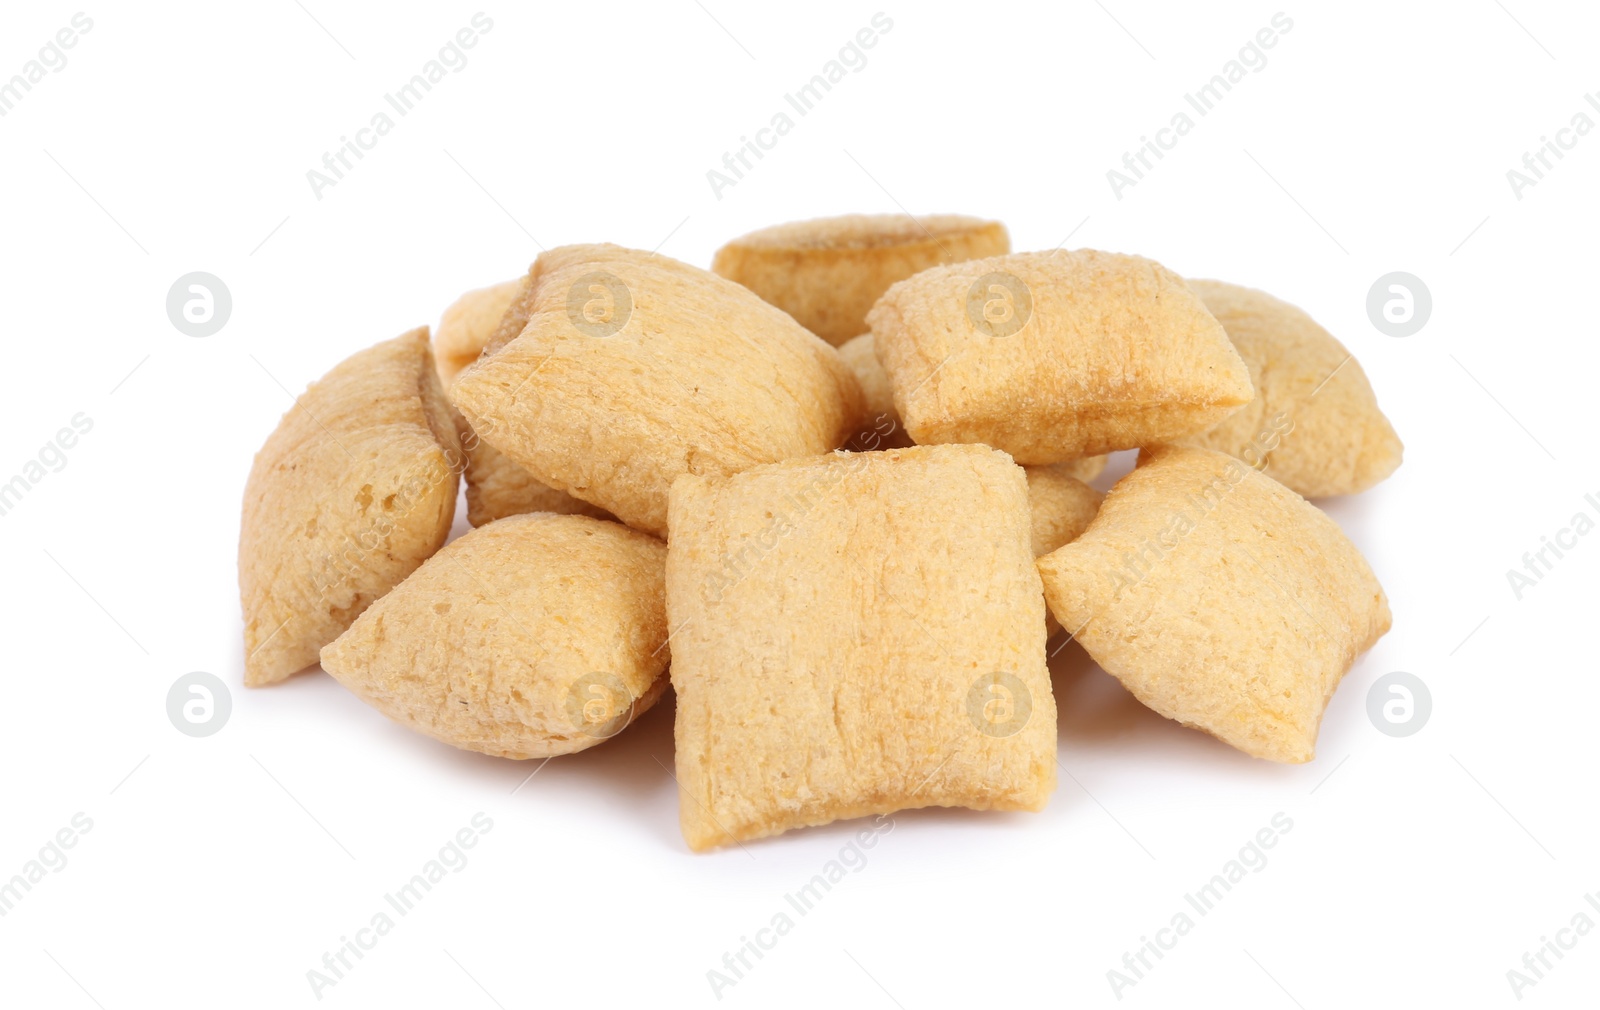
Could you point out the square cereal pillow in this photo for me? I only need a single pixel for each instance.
(1051, 356)
(1220, 598)
(856, 634)
(633, 369)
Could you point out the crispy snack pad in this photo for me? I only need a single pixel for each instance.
(467, 324)
(1055, 355)
(1314, 424)
(536, 635)
(634, 369)
(355, 488)
(827, 273)
(854, 634)
(1220, 598)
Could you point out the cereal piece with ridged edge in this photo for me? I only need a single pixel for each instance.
(1060, 507)
(467, 325)
(634, 369)
(355, 488)
(496, 485)
(535, 635)
(855, 634)
(1315, 421)
(883, 428)
(1220, 599)
(1055, 355)
(827, 272)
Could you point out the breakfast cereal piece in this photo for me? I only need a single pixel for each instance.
(1220, 598)
(855, 634)
(827, 272)
(498, 487)
(884, 424)
(355, 488)
(1314, 424)
(1055, 355)
(633, 369)
(467, 324)
(536, 635)
(1062, 507)
(875, 393)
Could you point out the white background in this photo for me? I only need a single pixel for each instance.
(219, 870)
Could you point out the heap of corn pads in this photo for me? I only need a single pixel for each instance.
(836, 488)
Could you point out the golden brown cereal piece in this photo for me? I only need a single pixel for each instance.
(1055, 355)
(1061, 506)
(856, 633)
(467, 324)
(826, 273)
(355, 488)
(1220, 598)
(497, 487)
(536, 635)
(885, 423)
(1314, 422)
(875, 393)
(633, 369)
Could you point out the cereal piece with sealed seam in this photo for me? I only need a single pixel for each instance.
(351, 492)
(1314, 424)
(533, 636)
(828, 272)
(633, 369)
(856, 633)
(496, 485)
(1220, 599)
(1055, 355)
(885, 423)
(467, 324)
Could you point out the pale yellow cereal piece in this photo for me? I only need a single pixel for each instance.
(875, 393)
(855, 634)
(633, 369)
(355, 488)
(1219, 598)
(1061, 507)
(1055, 355)
(827, 272)
(1314, 422)
(467, 324)
(886, 431)
(536, 635)
(498, 487)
